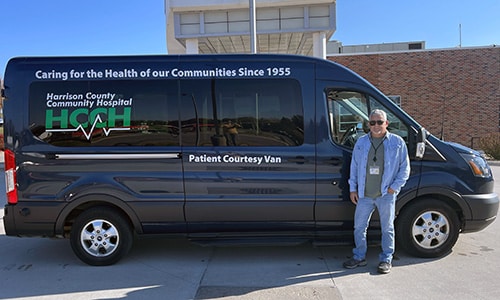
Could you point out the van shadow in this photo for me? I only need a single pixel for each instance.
(258, 271)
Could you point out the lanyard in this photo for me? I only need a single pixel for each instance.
(376, 148)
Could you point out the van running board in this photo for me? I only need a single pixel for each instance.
(245, 241)
(344, 240)
(273, 241)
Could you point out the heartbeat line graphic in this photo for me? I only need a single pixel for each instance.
(88, 135)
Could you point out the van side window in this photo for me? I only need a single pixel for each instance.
(348, 115)
(201, 112)
(105, 113)
(234, 112)
(349, 112)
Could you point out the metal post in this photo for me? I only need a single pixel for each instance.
(253, 34)
(460, 35)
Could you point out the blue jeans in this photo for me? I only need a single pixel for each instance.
(364, 210)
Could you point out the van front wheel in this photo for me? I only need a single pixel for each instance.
(428, 228)
(101, 236)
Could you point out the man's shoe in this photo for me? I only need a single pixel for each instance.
(354, 263)
(384, 267)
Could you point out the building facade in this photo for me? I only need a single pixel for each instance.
(454, 93)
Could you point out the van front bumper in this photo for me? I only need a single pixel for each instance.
(484, 210)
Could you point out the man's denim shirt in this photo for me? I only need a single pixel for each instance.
(396, 164)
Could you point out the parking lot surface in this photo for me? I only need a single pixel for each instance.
(160, 268)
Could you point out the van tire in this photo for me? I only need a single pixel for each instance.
(428, 228)
(101, 236)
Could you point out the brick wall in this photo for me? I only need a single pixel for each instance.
(453, 92)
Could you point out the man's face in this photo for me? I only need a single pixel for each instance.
(378, 126)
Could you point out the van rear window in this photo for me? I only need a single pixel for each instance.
(105, 113)
(207, 112)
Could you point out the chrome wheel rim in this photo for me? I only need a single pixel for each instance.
(99, 238)
(431, 229)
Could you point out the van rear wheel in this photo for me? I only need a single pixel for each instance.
(428, 228)
(101, 236)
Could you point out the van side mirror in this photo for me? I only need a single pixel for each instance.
(421, 138)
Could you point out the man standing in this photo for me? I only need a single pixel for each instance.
(379, 168)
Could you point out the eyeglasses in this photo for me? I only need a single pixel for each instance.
(378, 122)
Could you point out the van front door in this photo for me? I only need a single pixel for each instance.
(345, 114)
(340, 114)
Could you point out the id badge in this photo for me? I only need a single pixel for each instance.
(374, 170)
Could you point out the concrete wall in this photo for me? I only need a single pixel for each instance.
(455, 92)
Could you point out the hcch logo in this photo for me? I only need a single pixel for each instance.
(69, 121)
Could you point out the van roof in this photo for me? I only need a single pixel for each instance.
(324, 69)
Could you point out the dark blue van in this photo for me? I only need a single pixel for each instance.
(217, 148)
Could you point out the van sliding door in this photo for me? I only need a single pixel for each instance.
(247, 164)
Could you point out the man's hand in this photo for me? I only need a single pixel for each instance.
(354, 197)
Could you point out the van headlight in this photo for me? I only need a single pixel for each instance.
(478, 165)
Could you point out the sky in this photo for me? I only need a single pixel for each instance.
(117, 27)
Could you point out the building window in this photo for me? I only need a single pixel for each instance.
(415, 46)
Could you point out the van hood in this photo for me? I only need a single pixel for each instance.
(463, 149)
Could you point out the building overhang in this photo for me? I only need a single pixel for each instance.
(224, 26)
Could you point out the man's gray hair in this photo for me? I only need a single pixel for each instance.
(379, 112)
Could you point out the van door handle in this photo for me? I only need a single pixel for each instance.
(233, 179)
(334, 161)
(298, 160)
